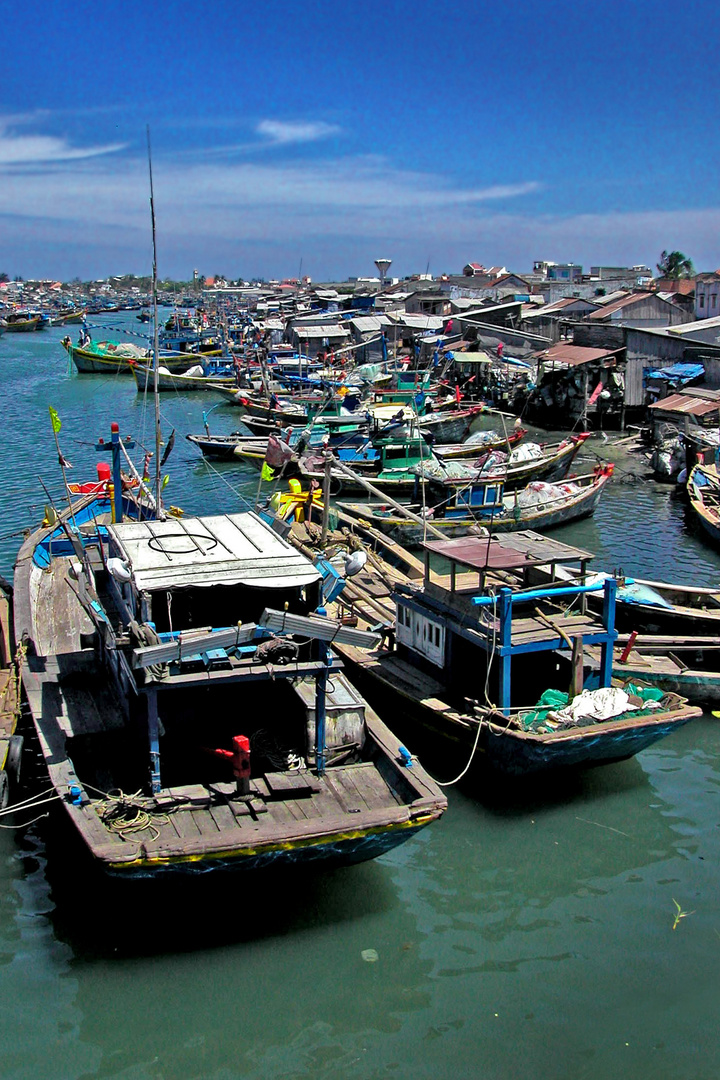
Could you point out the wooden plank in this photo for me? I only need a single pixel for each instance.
(184, 825)
(290, 784)
(223, 817)
(352, 794)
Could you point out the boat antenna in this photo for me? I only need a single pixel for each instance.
(156, 393)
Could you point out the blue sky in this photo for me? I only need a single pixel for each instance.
(334, 133)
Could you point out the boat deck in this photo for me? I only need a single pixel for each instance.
(206, 821)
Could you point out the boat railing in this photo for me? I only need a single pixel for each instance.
(502, 644)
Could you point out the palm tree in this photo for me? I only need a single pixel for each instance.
(674, 265)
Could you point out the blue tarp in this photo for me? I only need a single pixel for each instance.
(679, 373)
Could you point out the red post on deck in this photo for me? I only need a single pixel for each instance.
(239, 756)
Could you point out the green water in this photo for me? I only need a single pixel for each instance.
(527, 934)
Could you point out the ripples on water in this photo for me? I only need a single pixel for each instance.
(528, 934)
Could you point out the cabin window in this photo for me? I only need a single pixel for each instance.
(490, 495)
(422, 634)
(702, 300)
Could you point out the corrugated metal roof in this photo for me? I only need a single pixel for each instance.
(227, 549)
(366, 324)
(611, 297)
(479, 554)
(573, 355)
(691, 328)
(417, 321)
(686, 404)
(623, 302)
(328, 331)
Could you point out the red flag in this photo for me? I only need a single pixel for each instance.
(596, 393)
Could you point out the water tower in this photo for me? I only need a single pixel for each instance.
(383, 266)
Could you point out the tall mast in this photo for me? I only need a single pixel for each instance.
(156, 393)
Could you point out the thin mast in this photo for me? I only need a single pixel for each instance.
(156, 392)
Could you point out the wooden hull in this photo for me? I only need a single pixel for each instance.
(178, 381)
(218, 447)
(356, 810)
(90, 362)
(520, 754)
(411, 533)
(510, 752)
(473, 450)
(447, 428)
(704, 500)
(24, 326)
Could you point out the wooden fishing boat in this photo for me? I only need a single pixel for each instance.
(703, 489)
(202, 376)
(664, 670)
(399, 462)
(259, 426)
(142, 637)
(11, 744)
(487, 507)
(22, 323)
(461, 645)
(530, 461)
(291, 410)
(450, 426)
(662, 607)
(114, 357)
(481, 442)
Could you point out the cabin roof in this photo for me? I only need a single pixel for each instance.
(688, 403)
(227, 549)
(479, 554)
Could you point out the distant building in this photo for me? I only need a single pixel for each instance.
(552, 271)
(707, 293)
(641, 309)
(474, 270)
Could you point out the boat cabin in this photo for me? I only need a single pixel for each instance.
(480, 607)
(186, 621)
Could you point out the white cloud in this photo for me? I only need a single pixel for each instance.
(287, 132)
(33, 150)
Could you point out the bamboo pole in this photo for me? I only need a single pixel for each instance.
(345, 470)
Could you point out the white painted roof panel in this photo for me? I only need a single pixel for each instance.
(226, 549)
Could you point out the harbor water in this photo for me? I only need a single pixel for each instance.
(558, 930)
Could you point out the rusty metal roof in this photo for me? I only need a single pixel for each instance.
(574, 355)
(478, 553)
(686, 404)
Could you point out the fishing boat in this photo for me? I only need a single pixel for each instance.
(293, 410)
(479, 507)
(467, 648)
(206, 375)
(665, 670)
(116, 357)
(479, 443)
(11, 659)
(354, 422)
(661, 607)
(451, 426)
(529, 461)
(23, 322)
(703, 490)
(190, 711)
(398, 461)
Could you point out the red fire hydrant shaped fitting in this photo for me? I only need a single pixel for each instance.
(239, 756)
